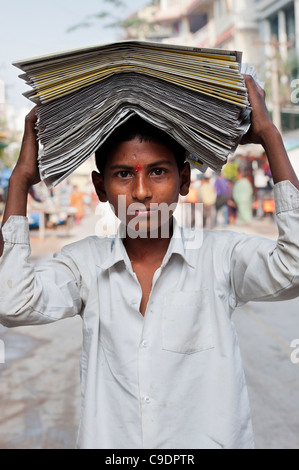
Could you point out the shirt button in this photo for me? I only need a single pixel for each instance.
(147, 399)
(134, 302)
(144, 344)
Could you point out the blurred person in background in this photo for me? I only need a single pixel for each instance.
(192, 199)
(221, 188)
(243, 197)
(261, 181)
(232, 206)
(207, 196)
(77, 201)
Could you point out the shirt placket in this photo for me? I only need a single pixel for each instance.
(146, 350)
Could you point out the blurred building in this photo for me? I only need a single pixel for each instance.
(278, 22)
(247, 25)
(267, 31)
(228, 24)
(279, 19)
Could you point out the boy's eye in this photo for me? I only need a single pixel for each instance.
(123, 174)
(158, 172)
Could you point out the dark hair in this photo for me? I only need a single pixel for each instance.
(146, 132)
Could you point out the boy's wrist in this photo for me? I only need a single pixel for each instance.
(269, 132)
(18, 181)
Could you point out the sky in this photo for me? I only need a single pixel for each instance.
(30, 28)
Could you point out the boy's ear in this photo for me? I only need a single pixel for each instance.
(185, 179)
(98, 183)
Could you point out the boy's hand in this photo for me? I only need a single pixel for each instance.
(26, 169)
(261, 123)
(263, 131)
(24, 175)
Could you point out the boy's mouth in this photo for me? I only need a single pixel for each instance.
(144, 212)
(141, 211)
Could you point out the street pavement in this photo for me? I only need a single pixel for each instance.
(39, 381)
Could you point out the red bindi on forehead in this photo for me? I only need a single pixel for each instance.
(138, 168)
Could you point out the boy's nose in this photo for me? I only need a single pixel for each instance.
(141, 190)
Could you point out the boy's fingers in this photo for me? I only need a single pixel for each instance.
(259, 115)
(27, 164)
(30, 132)
(32, 115)
(253, 86)
(30, 120)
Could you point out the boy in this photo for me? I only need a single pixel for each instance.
(160, 366)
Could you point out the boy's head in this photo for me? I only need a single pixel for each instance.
(144, 166)
(136, 127)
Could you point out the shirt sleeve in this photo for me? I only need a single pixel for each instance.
(35, 294)
(263, 270)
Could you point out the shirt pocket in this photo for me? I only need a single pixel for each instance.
(186, 322)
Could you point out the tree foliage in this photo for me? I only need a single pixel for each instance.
(115, 20)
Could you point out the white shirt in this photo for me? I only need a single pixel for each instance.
(174, 378)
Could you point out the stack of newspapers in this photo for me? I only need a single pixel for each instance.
(198, 96)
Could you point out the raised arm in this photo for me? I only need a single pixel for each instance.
(29, 294)
(263, 131)
(262, 269)
(25, 174)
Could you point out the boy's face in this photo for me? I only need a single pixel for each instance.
(145, 175)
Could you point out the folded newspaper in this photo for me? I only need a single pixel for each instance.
(198, 96)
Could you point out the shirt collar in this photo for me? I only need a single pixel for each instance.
(178, 245)
(119, 254)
